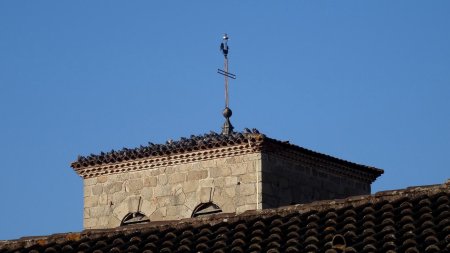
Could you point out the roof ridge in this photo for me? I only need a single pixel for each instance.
(202, 142)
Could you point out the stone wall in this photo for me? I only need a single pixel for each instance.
(173, 192)
(289, 181)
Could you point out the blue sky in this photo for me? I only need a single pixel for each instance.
(365, 81)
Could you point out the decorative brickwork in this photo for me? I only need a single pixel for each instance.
(197, 148)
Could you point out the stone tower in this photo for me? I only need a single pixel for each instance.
(208, 174)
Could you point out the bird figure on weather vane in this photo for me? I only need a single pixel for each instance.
(227, 127)
(224, 45)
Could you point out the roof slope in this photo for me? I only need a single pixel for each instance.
(203, 142)
(411, 220)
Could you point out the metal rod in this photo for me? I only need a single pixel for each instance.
(230, 75)
(226, 82)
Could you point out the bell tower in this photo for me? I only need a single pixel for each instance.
(209, 174)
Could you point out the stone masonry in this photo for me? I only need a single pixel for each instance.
(238, 172)
(287, 182)
(173, 192)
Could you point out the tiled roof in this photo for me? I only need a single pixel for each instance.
(203, 142)
(411, 220)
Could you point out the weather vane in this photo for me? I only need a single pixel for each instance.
(227, 127)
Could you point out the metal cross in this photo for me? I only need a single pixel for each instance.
(224, 48)
(227, 126)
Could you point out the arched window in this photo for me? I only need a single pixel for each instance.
(134, 218)
(206, 209)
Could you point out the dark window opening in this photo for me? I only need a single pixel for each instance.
(134, 218)
(205, 209)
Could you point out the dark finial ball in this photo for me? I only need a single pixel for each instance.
(227, 112)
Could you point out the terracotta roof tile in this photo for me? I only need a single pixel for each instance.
(411, 220)
(204, 142)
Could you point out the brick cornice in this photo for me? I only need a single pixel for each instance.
(169, 160)
(213, 146)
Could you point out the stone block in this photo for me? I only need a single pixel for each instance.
(207, 182)
(163, 201)
(219, 182)
(192, 200)
(162, 179)
(90, 223)
(114, 177)
(243, 208)
(259, 198)
(97, 189)
(220, 199)
(217, 191)
(178, 199)
(99, 211)
(120, 177)
(205, 194)
(103, 199)
(121, 210)
(284, 183)
(150, 181)
(87, 191)
(169, 170)
(113, 222)
(230, 160)
(220, 162)
(197, 175)
(103, 221)
(229, 181)
(159, 214)
(102, 179)
(258, 206)
(89, 181)
(147, 192)
(240, 201)
(178, 168)
(162, 170)
(239, 159)
(230, 191)
(177, 189)
(190, 186)
(91, 201)
(164, 190)
(147, 207)
(246, 189)
(133, 203)
(251, 199)
(134, 185)
(228, 207)
(145, 173)
(266, 158)
(113, 187)
(154, 172)
(118, 197)
(239, 169)
(177, 211)
(197, 165)
(286, 198)
(177, 178)
(219, 172)
(208, 163)
(247, 178)
(86, 213)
